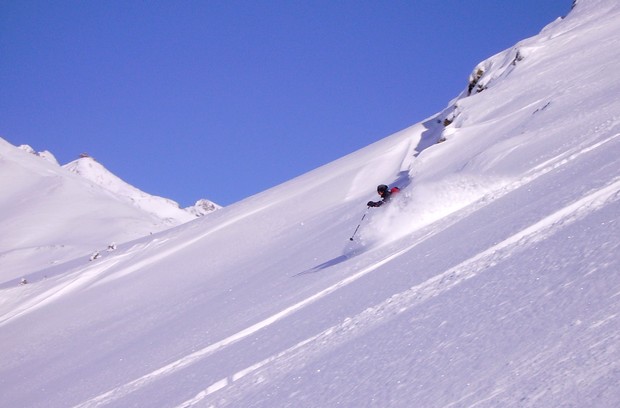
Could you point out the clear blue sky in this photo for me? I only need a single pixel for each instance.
(224, 99)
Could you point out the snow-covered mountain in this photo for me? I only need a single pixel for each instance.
(491, 280)
(164, 208)
(51, 214)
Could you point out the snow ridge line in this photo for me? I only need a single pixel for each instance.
(334, 336)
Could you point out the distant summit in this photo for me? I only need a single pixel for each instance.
(89, 168)
(166, 209)
(202, 207)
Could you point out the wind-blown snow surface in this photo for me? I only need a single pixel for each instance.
(490, 281)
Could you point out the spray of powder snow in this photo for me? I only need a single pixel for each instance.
(422, 204)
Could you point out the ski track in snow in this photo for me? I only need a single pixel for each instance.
(209, 350)
(79, 278)
(392, 306)
(58, 291)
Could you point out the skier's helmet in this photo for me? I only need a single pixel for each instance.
(381, 189)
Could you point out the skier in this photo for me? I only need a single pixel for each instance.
(386, 193)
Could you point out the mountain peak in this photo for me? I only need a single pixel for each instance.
(89, 168)
(203, 207)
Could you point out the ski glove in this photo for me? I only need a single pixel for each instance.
(374, 204)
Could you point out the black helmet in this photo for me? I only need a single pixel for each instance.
(382, 188)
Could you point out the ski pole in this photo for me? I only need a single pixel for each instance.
(358, 225)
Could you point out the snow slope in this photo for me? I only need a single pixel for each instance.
(491, 280)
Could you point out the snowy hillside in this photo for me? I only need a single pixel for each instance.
(50, 215)
(491, 280)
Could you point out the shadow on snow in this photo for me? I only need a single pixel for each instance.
(335, 261)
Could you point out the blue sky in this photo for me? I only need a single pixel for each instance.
(224, 99)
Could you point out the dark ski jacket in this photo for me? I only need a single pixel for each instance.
(385, 197)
